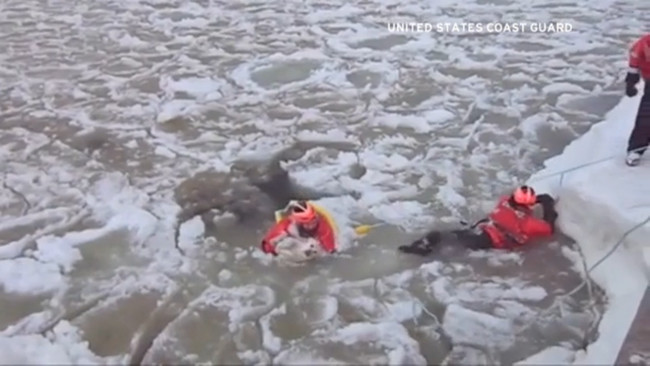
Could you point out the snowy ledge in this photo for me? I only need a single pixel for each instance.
(597, 205)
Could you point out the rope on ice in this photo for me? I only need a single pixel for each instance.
(587, 280)
(560, 300)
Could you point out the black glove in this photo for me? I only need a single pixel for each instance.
(419, 247)
(423, 246)
(545, 199)
(268, 249)
(631, 79)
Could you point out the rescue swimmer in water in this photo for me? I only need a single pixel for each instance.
(510, 225)
(302, 220)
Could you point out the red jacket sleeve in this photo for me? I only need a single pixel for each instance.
(326, 236)
(637, 53)
(274, 232)
(536, 228)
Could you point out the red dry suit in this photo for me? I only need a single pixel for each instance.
(639, 60)
(510, 227)
(323, 232)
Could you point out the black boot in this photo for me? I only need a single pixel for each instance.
(423, 246)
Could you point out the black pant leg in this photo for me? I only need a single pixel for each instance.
(646, 94)
(470, 238)
(474, 240)
(640, 136)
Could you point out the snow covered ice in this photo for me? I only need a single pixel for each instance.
(117, 117)
(598, 205)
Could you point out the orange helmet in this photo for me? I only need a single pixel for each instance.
(302, 212)
(524, 196)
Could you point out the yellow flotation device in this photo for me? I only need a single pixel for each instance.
(281, 214)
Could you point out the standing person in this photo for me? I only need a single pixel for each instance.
(639, 63)
(510, 225)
